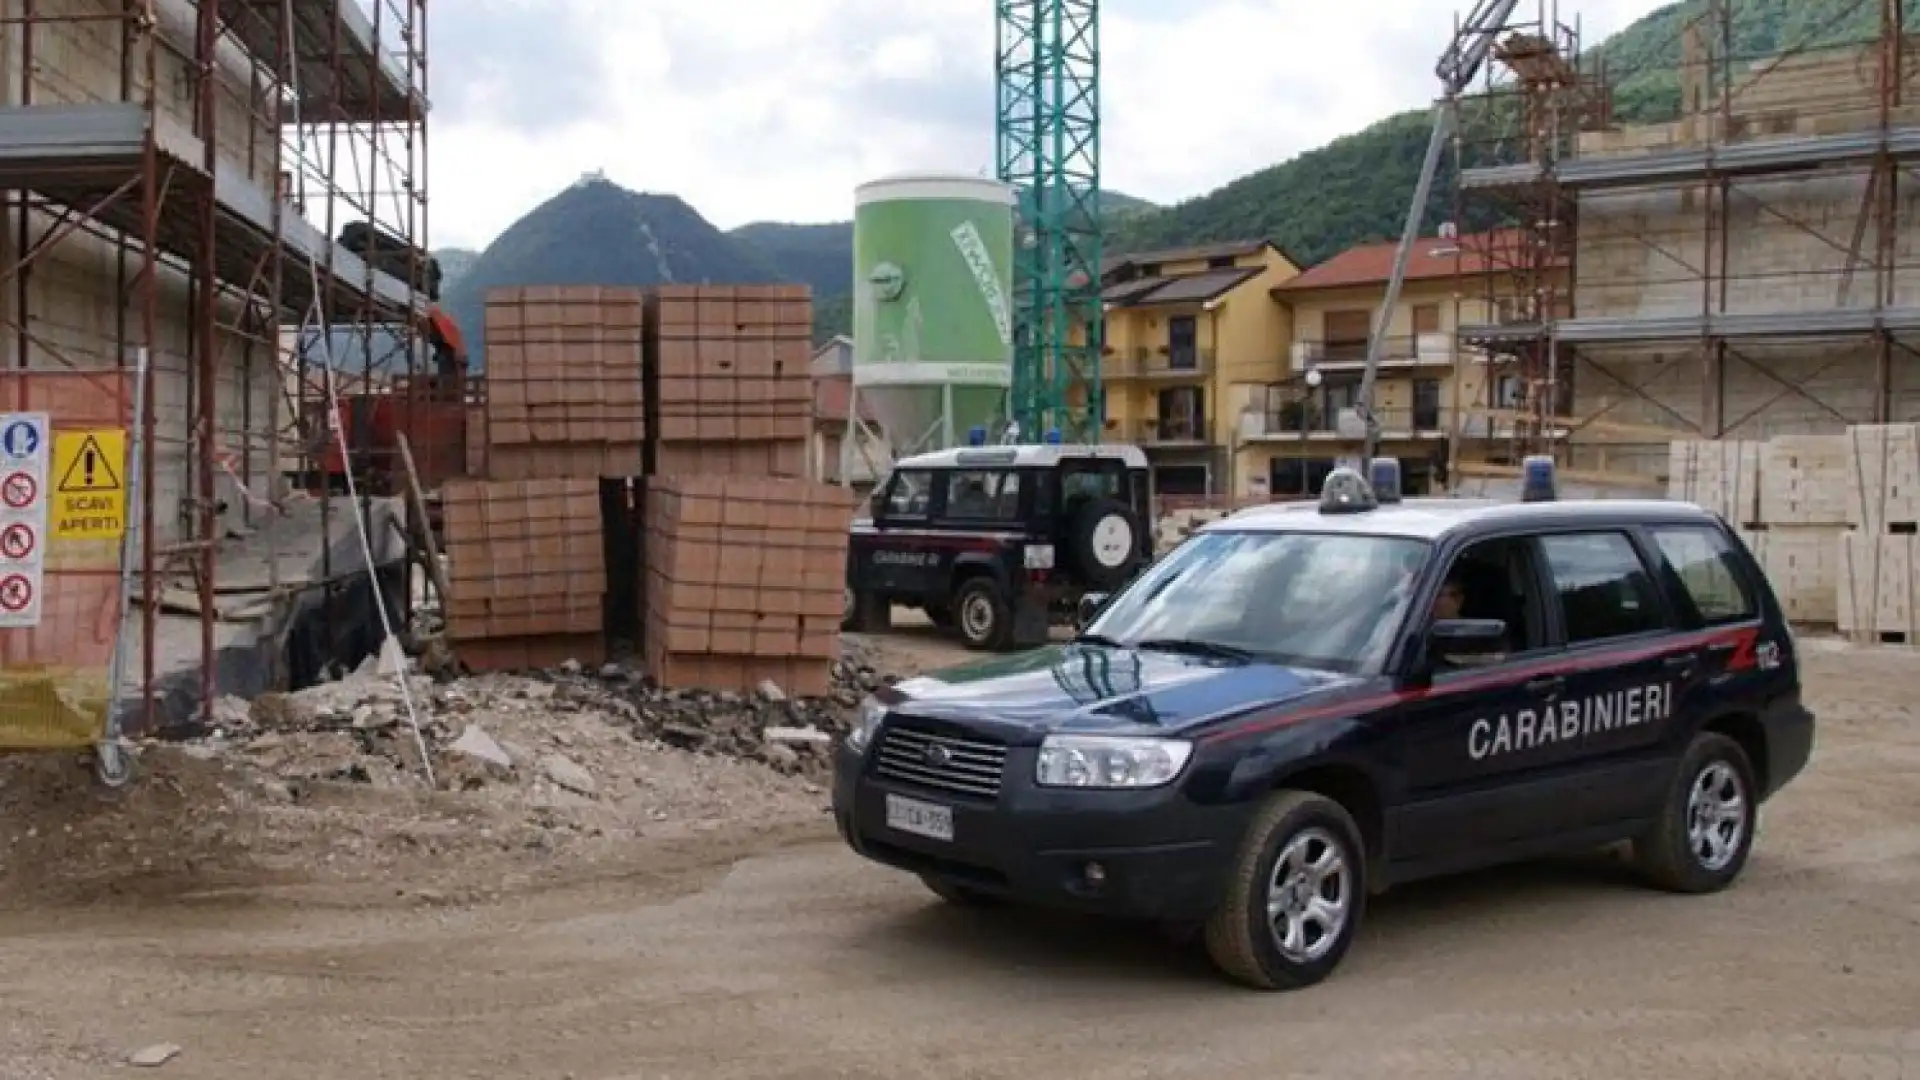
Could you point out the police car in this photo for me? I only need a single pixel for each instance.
(1295, 711)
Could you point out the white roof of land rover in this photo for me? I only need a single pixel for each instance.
(1033, 455)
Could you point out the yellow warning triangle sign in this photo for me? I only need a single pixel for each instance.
(90, 471)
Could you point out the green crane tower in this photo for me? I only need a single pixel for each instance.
(1047, 136)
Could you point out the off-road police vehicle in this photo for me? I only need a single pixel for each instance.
(1296, 710)
(1000, 542)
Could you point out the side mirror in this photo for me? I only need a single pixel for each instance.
(1457, 640)
(1090, 605)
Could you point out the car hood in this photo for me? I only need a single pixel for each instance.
(1084, 687)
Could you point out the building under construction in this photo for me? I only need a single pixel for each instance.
(1739, 271)
(187, 180)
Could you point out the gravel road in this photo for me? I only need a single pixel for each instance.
(772, 953)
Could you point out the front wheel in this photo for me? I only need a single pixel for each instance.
(1705, 831)
(982, 615)
(1295, 896)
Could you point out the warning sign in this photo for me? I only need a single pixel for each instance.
(19, 490)
(89, 497)
(16, 594)
(17, 541)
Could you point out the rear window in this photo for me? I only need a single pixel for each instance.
(1702, 559)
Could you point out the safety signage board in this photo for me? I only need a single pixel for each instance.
(25, 446)
(90, 491)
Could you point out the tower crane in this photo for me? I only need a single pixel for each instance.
(1458, 66)
(1047, 147)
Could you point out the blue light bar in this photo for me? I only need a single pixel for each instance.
(1384, 474)
(1537, 482)
(977, 435)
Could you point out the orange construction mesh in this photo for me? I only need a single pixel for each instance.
(55, 678)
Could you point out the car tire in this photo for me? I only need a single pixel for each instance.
(865, 613)
(981, 616)
(1104, 539)
(1301, 848)
(1707, 824)
(955, 893)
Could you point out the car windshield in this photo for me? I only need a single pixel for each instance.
(1314, 600)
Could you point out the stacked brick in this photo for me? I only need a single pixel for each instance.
(745, 581)
(734, 393)
(565, 382)
(527, 572)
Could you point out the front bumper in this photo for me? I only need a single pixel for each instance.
(1158, 854)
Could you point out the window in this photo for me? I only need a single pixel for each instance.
(1605, 590)
(1426, 318)
(909, 495)
(1090, 483)
(1333, 602)
(983, 495)
(1702, 560)
(1494, 579)
(1426, 404)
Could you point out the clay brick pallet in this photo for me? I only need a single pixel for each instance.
(527, 569)
(732, 393)
(565, 382)
(745, 581)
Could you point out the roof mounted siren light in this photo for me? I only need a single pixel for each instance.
(1537, 483)
(1053, 437)
(977, 435)
(1345, 491)
(1383, 473)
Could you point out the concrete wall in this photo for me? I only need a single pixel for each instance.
(76, 300)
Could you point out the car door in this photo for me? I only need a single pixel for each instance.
(906, 558)
(1628, 667)
(1462, 742)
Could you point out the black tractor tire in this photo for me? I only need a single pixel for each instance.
(981, 615)
(1099, 551)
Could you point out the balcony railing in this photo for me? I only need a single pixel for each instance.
(1158, 362)
(1411, 350)
(1310, 420)
(1168, 431)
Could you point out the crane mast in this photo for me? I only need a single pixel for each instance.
(1047, 146)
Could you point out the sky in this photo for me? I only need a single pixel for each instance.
(756, 110)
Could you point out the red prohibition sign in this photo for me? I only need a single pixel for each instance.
(19, 490)
(16, 592)
(16, 541)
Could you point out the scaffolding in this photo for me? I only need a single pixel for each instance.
(1726, 266)
(208, 175)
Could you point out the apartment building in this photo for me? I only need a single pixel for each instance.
(1182, 327)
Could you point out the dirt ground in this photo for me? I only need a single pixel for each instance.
(706, 925)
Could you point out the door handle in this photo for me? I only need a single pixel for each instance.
(1683, 663)
(1545, 684)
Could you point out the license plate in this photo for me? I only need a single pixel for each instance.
(930, 820)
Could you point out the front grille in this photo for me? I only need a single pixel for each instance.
(966, 765)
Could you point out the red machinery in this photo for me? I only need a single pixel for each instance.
(431, 410)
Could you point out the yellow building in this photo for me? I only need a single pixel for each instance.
(1429, 393)
(1183, 327)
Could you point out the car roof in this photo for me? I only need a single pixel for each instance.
(1033, 455)
(1435, 519)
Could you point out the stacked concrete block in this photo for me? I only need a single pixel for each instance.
(1720, 476)
(527, 570)
(1879, 592)
(734, 394)
(745, 581)
(565, 382)
(1803, 506)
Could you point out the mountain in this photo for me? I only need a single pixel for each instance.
(598, 233)
(454, 264)
(1354, 190)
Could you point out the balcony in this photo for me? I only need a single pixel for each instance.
(1167, 431)
(1158, 362)
(1397, 353)
(1305, 420)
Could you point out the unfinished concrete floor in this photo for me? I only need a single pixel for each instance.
(760, 949)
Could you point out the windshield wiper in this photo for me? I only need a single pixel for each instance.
(1097, 639)
(1196, 647)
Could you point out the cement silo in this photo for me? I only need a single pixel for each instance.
(933, 306)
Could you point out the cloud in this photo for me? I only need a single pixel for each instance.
(776, 109)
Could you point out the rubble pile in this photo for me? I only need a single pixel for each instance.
(549, 729)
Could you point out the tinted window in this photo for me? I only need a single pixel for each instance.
(1605, 590)
(1702, 559)
(909, 496)
(1495, 579)
(983, 494)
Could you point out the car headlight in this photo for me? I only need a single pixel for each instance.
(1109, 761)
(865, 722)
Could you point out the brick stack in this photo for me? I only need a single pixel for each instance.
(527, 572)
(734, 395)
(745, 581)
(564, 382)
